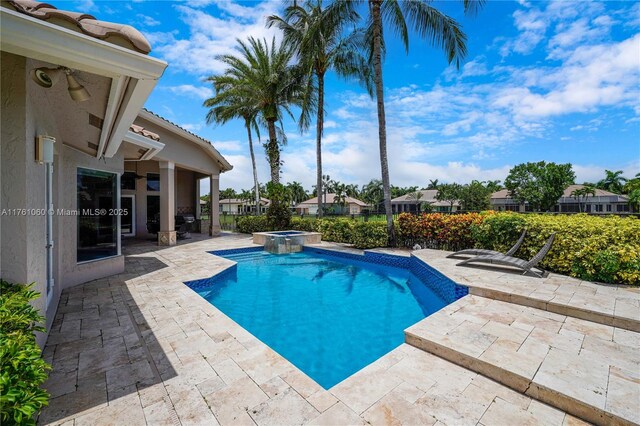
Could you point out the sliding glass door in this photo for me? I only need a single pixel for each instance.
(97, 194)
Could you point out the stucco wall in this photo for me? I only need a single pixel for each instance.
(26, 113)
(185, 192)
(183, 153)
(23, 183)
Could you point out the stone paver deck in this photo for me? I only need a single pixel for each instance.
(588, 369)
(142, 348)
(618, 306)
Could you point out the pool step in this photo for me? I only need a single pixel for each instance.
(247, 256)
(587, 369)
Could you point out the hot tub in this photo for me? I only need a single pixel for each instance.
(286, 241)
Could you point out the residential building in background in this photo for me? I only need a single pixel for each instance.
(410, 203)
(603, 202)
(237, 206)
(331, 203)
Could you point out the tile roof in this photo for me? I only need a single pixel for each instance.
(428, 195)
(504, 193)
(119, 34)
(144, 132)
(179, 127)
(331, 198)
(263, 201)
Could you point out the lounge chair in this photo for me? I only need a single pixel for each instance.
(485, 252)
(526, 266)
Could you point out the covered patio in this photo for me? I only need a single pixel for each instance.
(165, 166)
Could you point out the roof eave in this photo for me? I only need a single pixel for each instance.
(133, 74)
(224, 165)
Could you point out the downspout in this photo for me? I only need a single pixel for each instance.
(44, 155)
(49, 229)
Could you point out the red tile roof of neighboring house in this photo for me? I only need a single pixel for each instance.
(144, 132)
(119, 34)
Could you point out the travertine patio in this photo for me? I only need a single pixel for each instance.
(142, 348)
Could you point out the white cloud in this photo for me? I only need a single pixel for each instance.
(591, 77)
(199, 92)
(228, 146)
(192, 127)
(210, 36)
(147, 20)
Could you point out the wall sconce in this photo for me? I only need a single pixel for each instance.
(44, 149)
(47, 77)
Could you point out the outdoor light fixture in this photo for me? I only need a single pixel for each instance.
(44, 149)
(47, 77)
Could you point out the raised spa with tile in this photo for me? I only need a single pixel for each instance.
(329, 313)
(280, 242)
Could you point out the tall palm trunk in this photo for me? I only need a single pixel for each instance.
(319, 129)
(382, 125)
(273, 152)
(253, 164)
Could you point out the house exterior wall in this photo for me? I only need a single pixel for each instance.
(185, 192)
(181, 152)
(26, 114)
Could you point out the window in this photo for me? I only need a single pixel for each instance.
(128, 181)
(97, 223)
(622, 207)
(608, 207)
(153, 207)
(598, 207)
(153, 182)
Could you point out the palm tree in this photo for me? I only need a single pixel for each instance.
(271, 85)
(430, 24)
(231, 102)
(433, 184)
(416, 196)
(246, 195)
(317, 35)
(373, 193)
(352, 190)
(581, 194)
(340, 198)
(297, 192)
(613, 181)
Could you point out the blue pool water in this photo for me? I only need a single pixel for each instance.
(286, 233)
(328, 315)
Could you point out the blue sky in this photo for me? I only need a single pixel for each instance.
(554, 81)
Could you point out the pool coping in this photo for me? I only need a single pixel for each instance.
(480, 288)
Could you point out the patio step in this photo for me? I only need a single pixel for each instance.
(587, 369)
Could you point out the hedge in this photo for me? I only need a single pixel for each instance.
(604, 249)
(437, 230)
(22, 369)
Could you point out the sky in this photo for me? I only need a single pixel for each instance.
(555, 81)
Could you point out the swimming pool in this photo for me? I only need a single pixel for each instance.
(329, 315)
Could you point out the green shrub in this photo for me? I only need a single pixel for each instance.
(437, 230)
(336, 230)
(22, 369)
(498, 231)
(370, 235)
(304, 224)
(251, 224)
(593, 248)
(278, 212)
